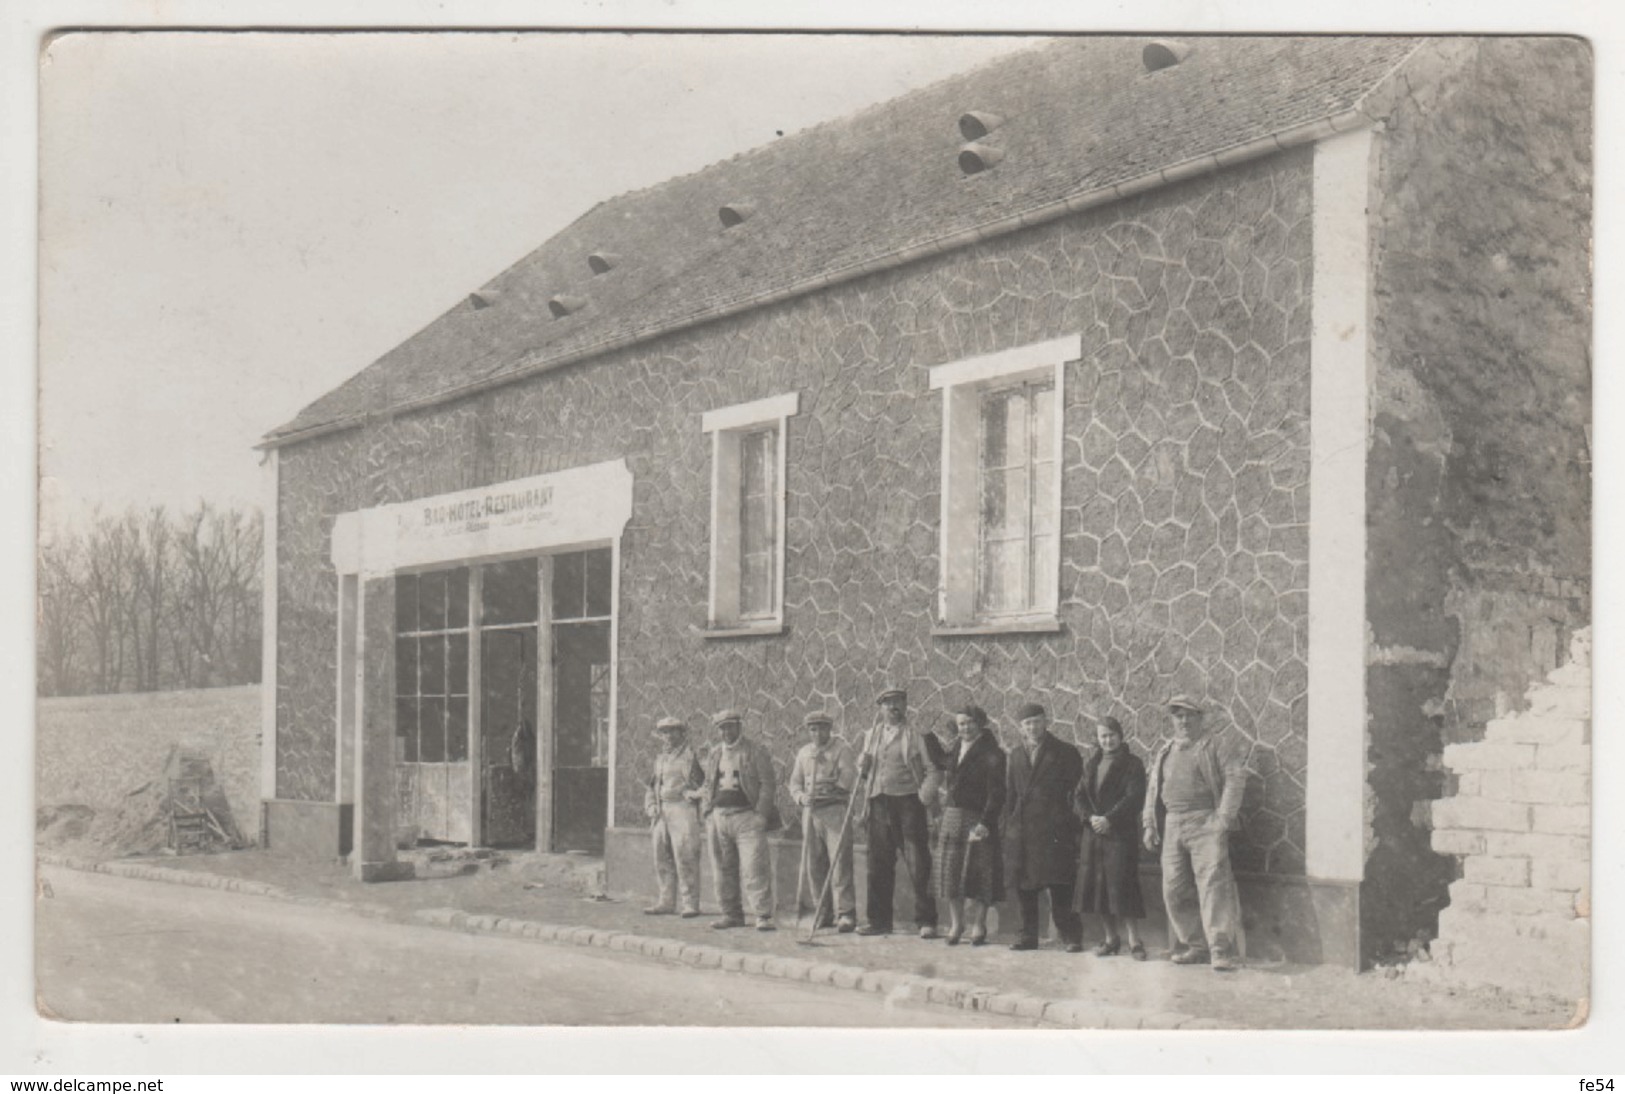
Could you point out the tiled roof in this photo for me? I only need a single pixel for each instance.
(1080, 114)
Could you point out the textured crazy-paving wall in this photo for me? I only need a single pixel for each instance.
(1479, 475)
(1185, 491)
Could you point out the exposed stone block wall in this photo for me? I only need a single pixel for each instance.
(1478, 480)
(95, 750)
(1520, 823)
(1185, 505)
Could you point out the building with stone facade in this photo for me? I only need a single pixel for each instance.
(1256, 369)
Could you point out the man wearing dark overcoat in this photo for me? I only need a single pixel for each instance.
(1040, 829)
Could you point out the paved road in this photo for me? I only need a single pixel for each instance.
(114, 949)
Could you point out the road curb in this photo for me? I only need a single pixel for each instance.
(900, 986)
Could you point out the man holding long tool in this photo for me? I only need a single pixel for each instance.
(894, 761)
(671, 800)
(821, 782)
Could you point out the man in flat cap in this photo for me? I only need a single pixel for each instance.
(1196, 785)
(895, 764)
(671, 801)
(822, 782)
(741, 808)
(1040, 829)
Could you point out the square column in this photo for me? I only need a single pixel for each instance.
(373, 855)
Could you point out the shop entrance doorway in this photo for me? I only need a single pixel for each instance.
(503, 701)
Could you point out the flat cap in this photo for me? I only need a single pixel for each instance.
(1183, 702)
(1029, 710)
(671, 723)
(893, 693)
(726, 716)
(817, 718)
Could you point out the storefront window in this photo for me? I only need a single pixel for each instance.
(431, 665)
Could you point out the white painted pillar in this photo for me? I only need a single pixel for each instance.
(1338, 414)
(268, 624)
(348, 685)
(615, 647)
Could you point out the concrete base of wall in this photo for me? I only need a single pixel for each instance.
(304, 829)
(1285, 918)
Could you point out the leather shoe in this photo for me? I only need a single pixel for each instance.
(726, 923)
(1109, 949)
(869, 929)
(1024, 944)
(763, 923)
(690, 913)
(1223, 962)
(845, 925)
(1074, 947)
(928, 932)
(1137, 951)
(1190, 956)
(978, 937)
(659, 909)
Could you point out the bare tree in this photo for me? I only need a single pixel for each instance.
(107, 599)
(151, 535)
(148, 600)
(60, 618)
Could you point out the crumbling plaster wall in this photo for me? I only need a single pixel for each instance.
(1185, 491)
(1478, 482)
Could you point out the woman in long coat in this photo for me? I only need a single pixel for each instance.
(1108, 801)
(967, 863)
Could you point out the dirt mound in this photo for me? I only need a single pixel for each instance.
(180, 809)
(59, 825)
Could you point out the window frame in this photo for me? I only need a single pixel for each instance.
(728, 427)
(964, 384)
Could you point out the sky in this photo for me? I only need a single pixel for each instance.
(233, 224)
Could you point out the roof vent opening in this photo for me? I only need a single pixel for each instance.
(978, 123)
(561, 305)
(1163, 53)
(484, 298)
(976, 158)
(735, 213)
(603, 261)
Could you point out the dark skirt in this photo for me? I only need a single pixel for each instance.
(962, 868)
(1108, 880)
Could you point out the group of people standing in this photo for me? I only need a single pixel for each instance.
(1041, 817)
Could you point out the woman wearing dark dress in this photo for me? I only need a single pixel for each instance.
(1108, 800)
(968, 865)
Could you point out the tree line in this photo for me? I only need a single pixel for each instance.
(149, 600)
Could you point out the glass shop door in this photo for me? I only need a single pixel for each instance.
(582, 606)
(507, 710)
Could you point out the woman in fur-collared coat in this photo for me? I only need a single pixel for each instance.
(1108, 801)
